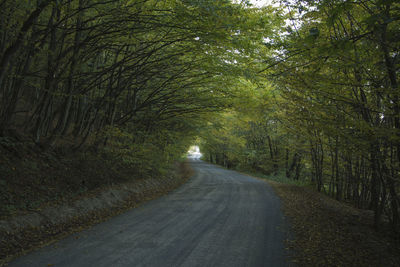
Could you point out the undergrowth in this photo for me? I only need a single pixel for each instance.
(280, 178)
(31, 178)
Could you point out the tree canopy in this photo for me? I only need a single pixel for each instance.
(328, 113)
(308, 90)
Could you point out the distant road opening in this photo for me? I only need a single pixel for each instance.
(194, 152)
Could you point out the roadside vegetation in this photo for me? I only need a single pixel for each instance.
(326, 232)
(324, 113)
(95, 92)
(325, 110)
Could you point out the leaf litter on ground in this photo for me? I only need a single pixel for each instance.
(327, 232)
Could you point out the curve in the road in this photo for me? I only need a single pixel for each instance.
(219, 218)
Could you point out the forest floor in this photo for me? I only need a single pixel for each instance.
(33, 181)
(327, 232)
(32, 178)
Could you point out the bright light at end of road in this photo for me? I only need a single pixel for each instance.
(194, 152)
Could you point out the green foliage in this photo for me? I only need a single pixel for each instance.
(316, 98)
(338, 95)
(149, 154)
(281, 178)
(246, 137)
(325, 109)
(123, 77)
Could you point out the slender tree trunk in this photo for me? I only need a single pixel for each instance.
(15, 46)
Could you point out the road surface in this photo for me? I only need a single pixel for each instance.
(218, 218)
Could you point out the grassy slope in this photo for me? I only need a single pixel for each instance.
(31, 180)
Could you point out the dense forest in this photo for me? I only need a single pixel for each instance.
(308, 90)
(111, 90)
(139, 75)
(327, 111)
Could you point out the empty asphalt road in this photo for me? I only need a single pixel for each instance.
(218, 218)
